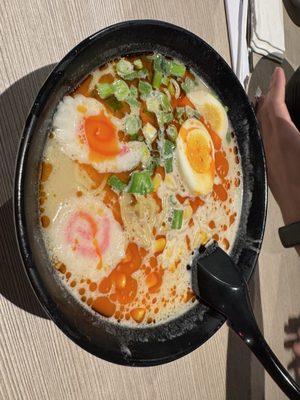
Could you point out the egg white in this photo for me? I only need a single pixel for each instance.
(197, 183)
(216, 116)
(67, 124)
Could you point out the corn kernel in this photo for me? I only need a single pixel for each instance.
(187, 212)
(156, 181)
(170, 182)
(159, 245)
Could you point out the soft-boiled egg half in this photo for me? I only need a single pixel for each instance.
(211, 110)
(195, 155)
(86, 237)
(89, 134)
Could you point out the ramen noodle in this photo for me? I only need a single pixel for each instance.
(140, 168)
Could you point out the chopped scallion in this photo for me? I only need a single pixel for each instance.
(165, 80)
(177, 69)
(166, 106)
(138, 63)
(116, 183)
(143, 73)
(191, 112)
(113, 103)
(104, 90)
(152, 165)
(121, 90)
(133, 91)
(132, 98)
(177, 219)
(124, 67)
(144, 88)
(157, 78)
(188, 85)
(132, 124)
(172, 132)
(141, 183)
(164, 118)
(168, 155)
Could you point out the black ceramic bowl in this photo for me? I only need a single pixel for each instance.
(165, 342)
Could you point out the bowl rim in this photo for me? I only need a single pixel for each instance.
(18, 198)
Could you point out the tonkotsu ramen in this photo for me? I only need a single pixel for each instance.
(140, 168)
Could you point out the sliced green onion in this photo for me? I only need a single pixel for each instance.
(165, 102)
(104, 90)
(153, 102)
(133, 91)
(152, 165)
(177, 219)
(164, 117)
(138, 63)
(143, 73)
(188, 85)
(116, 183)
(173, 200)
(121, 89)
(141, 183)
(113, 103)
(165, 80)
(172, 132)
(177, 69)
(191, 112)
(161, 64)
(157, 62)
(132, 124)
(132, 98)
(180, 111)
(144, 88)
(168, 155)
(171, 89)
(124, 67)
(132, 101)
(157, 78)
(130, 77)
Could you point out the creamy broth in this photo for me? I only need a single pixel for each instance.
(123, 212)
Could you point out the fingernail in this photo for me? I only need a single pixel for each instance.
(276, 71)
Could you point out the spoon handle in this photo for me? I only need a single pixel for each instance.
(242, 321)
(219, 283)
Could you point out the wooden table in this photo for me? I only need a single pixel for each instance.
(37, 360)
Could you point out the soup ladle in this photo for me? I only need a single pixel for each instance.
(219, 283)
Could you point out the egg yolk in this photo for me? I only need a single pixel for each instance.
(198, 151)
(212, 114)
(101, 135)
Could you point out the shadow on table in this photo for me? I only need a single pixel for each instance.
(293, 328)
(244, 374)
(15, 103)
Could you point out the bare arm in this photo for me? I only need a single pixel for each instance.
(282, 146)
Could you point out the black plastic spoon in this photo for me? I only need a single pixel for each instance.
(218, 282)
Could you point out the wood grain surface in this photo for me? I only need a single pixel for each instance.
(37, 361)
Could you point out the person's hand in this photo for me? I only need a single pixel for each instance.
(282, 147)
